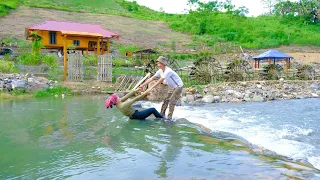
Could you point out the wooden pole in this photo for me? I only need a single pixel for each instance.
(98, 46)
(287, 65)
(108, 46)
(65, 54)
(289, 62)
(141, 81)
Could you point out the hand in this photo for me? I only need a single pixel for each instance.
(139, 89)
(147, 91)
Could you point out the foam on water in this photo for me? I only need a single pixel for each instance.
(283, 140)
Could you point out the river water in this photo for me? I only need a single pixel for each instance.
(77, 138)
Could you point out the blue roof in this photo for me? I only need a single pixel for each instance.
(272, 54)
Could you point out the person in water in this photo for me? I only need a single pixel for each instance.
(124, 105)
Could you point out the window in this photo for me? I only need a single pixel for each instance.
(76, 42)
(53, 37)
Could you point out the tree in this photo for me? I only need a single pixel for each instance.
(191, 3)
(228, 6)
(241, 11)
(269, 4)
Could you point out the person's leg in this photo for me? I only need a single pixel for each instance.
(173, 100)
(146, 113)
(166, 102)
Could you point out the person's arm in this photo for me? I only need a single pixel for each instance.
(129, 95)
(137, 98)
(146, 82)
(154, 85)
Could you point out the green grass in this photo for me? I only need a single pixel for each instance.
(52, 92)
(6, 5)
(207, 27)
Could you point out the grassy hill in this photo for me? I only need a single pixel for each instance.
(203, 28)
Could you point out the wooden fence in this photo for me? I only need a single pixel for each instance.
(104, 68)
(75, 67)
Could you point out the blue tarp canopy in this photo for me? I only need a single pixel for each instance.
(271, 54)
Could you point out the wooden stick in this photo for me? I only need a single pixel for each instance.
(141, 81)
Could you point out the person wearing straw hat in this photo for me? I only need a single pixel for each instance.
(124, 105)
(169, 77)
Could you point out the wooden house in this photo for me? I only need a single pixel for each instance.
(61, 35)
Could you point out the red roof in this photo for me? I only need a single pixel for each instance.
(75, 27)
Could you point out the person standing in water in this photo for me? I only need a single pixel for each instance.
(170, 78)
(124, 105)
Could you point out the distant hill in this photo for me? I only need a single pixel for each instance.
(202, 28)
(142, 33)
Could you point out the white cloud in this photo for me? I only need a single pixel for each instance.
(178, 6)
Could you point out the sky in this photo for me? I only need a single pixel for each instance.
(178, 6)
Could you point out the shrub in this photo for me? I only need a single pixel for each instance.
(55, 74)
(7, 67)
(50, 60)
(29, 59)
(90, 60)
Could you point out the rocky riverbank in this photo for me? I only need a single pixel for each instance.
(27, 82)
(252, 91)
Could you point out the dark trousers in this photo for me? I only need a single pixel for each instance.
(146, 113)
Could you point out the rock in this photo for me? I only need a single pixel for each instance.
(259, 86)
(234, 100)
(207, 91)
(198, 96)
(315, 86)
(1, 85)
(238, 95)
(258, 98)
(190, 98)
(34, 88)
(314, 95)
(230, 92)
(208, 99)
(244, 84)
(19, 84)
(184, 100)
(247, 98)
(216, 99)
(184, 91)
(31, 81)
(300, 97)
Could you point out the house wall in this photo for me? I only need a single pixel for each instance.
(59, 40)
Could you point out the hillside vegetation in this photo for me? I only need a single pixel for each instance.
(212, 22)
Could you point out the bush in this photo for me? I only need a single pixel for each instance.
(29, 59)
(55, 74)
(7, 67)
(121, 63)
(91, 60)
(50, 60)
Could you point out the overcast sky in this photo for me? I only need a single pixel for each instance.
(177, 6)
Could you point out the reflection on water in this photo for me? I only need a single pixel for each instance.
(77, 138)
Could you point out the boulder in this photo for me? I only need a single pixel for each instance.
(19, 84)
(257, 98)
(208, 99)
